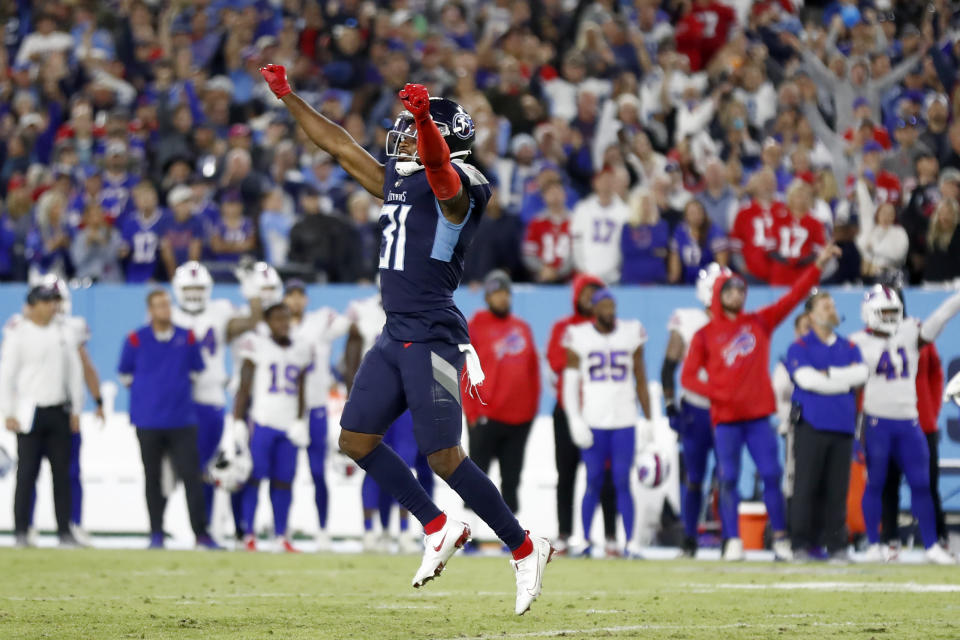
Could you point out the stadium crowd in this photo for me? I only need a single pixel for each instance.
(638, 141)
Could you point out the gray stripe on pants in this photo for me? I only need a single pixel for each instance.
(445, 374)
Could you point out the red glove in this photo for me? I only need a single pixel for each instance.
(276, 77)
(417, 101)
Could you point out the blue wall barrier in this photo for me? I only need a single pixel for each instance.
(112, 311)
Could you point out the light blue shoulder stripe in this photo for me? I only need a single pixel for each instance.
(447, 234)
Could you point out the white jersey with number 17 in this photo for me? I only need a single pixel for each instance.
(606, 371)
(891, 389)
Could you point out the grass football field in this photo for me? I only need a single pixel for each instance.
(49, 593)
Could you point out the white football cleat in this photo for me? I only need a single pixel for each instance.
(733, 552)
(782, 551)
(530, 573)
(938, 555)
(322, 540)
(438, 548)
(874, 553)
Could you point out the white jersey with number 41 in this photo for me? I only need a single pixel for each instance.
(606, 371)
(891, 389)
(210, 329)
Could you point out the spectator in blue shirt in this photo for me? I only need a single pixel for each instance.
(696, 243)
(141, 233)
(826, 370)
(182, 240)
(644, 242)
(158, 363)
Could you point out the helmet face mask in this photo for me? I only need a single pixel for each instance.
(192, 287)
(453, 122)
(882, 310)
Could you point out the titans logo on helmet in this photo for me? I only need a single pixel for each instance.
(462, 125)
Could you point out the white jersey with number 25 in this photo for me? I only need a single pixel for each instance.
(606, 371)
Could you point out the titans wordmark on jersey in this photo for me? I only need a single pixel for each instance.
(421, 255)
(606, 371)
(687, 322)
(891, 389)
(275, 391)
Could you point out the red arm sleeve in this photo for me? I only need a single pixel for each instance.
(774, 314)
(556, 354)
(435, 156)
(695, 360)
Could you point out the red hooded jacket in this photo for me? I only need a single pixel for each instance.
(556, 354)
(929, 387)
(736, 354)
(511, 390)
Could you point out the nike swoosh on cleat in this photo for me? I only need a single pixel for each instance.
(406, 345)
(442, 540)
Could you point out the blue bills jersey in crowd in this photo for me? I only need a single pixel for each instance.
(421, 255)
(143, 238)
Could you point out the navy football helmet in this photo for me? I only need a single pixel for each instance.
(454, 123)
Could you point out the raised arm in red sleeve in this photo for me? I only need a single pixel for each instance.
(774, 314)
(432, 149)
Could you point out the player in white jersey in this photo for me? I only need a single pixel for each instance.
(317, 329)
(215, 323)
(78, 328)
(367, 319)
(605, 357)
(690, 418)
(890, 346)
(271, 394)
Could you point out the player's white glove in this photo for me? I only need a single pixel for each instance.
(299, 433)
(580, 433)
(249, 287)
(952, 390)
(241, 434)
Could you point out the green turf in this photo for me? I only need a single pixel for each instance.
(136, 594)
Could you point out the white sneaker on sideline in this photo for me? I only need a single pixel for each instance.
(408, 543)
(80, 535)
(438, 548)
(938, 555)
(322, 540)
(371, 541)
(874, 553)
(782, 551)
(733, 552)
(530, 573)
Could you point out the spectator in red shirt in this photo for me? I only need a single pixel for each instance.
(798, 238)
(548, 245)
(886, 184)
(752, 233)
(862, 115)
(703, 31)
(500, 424)
(567, 454)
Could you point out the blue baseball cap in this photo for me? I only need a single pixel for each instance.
(872, 146)
(602, 294)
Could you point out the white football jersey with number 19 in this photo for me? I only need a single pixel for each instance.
(891, 389)
(606, 372)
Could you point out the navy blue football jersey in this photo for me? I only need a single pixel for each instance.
(421, 255)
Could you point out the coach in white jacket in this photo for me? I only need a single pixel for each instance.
(41, 396)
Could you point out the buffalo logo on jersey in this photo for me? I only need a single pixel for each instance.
(742, 345)
(511, 344)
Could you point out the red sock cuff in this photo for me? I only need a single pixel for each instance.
(525, 548)
(436, 524)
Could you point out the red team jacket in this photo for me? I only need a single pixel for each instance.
(929, 388)
(889, 188)
(508, 355)
(556, 354)
(736, 355)
(797, 241)
(703, 31)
